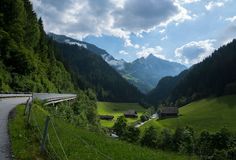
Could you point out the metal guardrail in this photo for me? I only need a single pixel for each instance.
(48, 98)
(14, 95)
(54, 101)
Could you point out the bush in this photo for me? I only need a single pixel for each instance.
(131, 134)
(166, 139)
(120, 126)
(150, 138)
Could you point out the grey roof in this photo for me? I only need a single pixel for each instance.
(169, 110)
(130, 112)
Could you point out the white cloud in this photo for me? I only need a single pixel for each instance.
(162, 31)
(213, 4)
(146, 51)
(123, 52)
(194, 52)
(231, 19)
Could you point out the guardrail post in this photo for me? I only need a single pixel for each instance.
(45, 132)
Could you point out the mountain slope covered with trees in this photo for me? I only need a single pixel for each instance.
(214, 76)
(27, 60)
(89, 70)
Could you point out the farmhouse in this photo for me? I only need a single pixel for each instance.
(131, 114)
(106, 117)
(168, 112)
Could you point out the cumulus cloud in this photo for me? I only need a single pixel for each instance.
(146, 51)
(212, 4)
(194, 52)
(138, 15)
(120, 18)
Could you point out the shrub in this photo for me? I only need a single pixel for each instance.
(150, 138)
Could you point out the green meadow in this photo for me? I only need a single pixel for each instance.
(209, 114)
(117, 109)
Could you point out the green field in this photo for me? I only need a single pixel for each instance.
(77, 143)
(210, 114)
(117, 109)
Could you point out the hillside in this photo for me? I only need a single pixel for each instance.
(89, 70)
(117, 109)
(77, 143)
(209, 114)
(214, 76)
(27, 59)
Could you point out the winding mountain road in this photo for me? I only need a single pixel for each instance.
(7, 103)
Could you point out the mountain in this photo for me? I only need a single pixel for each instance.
(117, 64)
(146, 72)
(214, 76)
(89, 70)
(27, 56)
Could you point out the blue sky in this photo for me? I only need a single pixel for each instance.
(185, 31)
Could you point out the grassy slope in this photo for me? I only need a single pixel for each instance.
(210, 114)
(79, 143)
(24, 145)
(117, 109)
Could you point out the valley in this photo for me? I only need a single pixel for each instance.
(82, 79)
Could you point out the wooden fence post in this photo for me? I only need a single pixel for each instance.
(45, 133)
(29, 112)
(27, 106)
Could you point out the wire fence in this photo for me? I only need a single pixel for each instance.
(57, 145)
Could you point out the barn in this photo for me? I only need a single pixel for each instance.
(131, 114)
(106, 117)
(166, 112)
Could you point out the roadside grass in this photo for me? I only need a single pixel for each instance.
(209, 114)
(69, 142)
(118, 109)
(24, 144)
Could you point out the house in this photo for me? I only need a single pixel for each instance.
(106, 117)
(131, 114)
(165, 112)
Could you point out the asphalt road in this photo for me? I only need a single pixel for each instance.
(6, 105)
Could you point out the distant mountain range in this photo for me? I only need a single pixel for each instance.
(144, 73)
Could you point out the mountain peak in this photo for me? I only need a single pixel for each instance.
(151, 56)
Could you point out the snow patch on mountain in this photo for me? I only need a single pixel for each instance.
(117, 64)
(75, 43)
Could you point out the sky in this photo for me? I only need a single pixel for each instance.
(184, 31)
